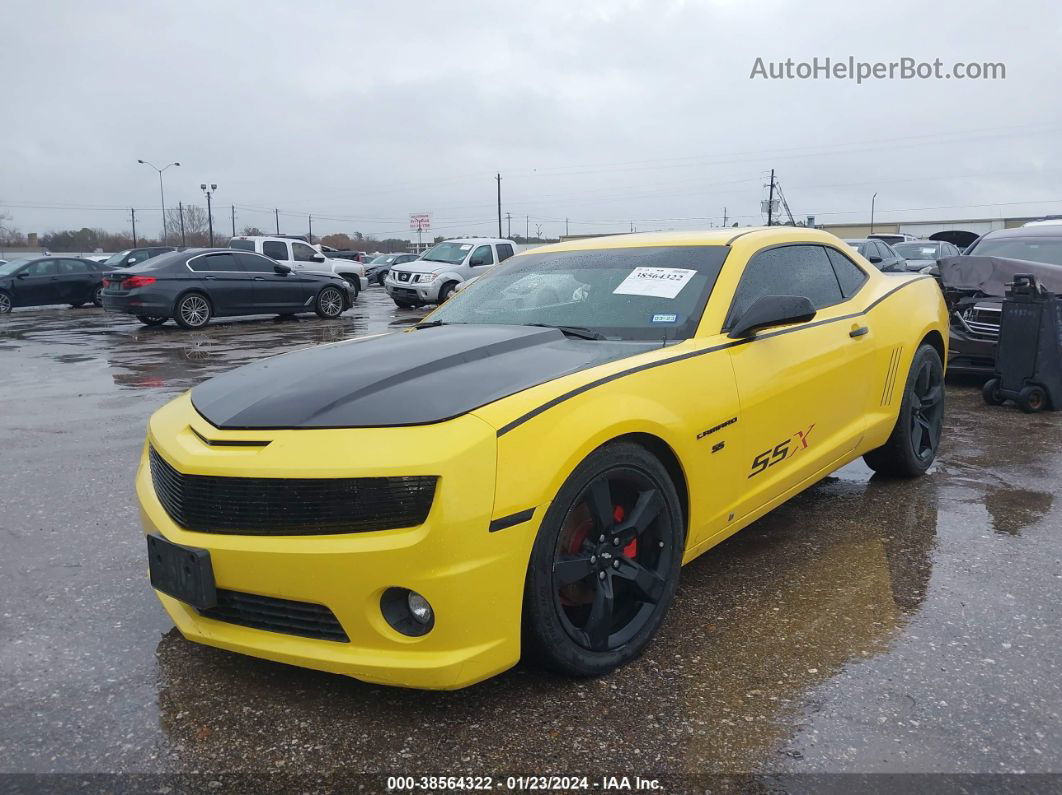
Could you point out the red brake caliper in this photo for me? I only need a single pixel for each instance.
(631, 549)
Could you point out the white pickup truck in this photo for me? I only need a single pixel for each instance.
(432, 278)
(299, 255)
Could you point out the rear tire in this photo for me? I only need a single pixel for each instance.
(605, 564)
(990, 393)
(97, 296)
(5, 302)
(77, 305)
(912, 446)
(192, 311)
(329, 303)
(380, 279)
(151, 320)
(1032, 399)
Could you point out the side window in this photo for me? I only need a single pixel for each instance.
(71, 266)
(302, 253)
(787, 270)
(222, 262)
(254, 263)
(481, 256)
(43, 267)
(504, 251)
(137, 256)
(275, 249)
(849, 275)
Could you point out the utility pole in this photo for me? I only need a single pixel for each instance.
(132, 215)
(509, 221)
(180, 211)
(234, 220)
(565, 227)
(276, 215)
(210, 210)
(309, 218)
(770, 200)
(724, 216)
(498, 177)
(527, 227)
(873, 199)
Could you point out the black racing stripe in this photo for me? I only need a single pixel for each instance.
(511, 520)
(691, 354)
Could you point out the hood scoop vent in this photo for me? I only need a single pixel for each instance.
(229, 442)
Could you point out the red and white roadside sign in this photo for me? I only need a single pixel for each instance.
(420, 222)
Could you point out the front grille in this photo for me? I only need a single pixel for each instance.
(290, 506)
(276, 615)
(982, 321)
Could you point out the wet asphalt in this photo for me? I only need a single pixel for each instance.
(866, 626)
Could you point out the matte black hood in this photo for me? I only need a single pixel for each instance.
(412, 378)
(991, 275)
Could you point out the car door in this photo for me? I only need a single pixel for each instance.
(38, 284)
(801, 393)
(308, 258)
(229, 287)
(75, 282)
(274, 292)
(479, 260)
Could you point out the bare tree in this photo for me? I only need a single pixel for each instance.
(196, 227)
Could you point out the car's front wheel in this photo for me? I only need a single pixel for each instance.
(193, 311)
(329, 303)
(912, 446)
(5, 302)
(605, 564)
(355, 286)
(97, 295)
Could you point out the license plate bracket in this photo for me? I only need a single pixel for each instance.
(185, 573)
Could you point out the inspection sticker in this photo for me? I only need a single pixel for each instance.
(655, 282)
(665, 318)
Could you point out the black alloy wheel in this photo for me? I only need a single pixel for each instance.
(97, 295)
(5, 303)
(912, 446)
(606, 563)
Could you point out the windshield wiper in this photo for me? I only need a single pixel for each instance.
(431, 324)
(580, 332)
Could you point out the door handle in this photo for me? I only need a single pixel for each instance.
(211, 278)
(858, 332)
(259, 278)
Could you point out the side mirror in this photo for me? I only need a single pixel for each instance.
(772, 310)
(282, 269)
(874, 260)
(318, 257)
(21, 275)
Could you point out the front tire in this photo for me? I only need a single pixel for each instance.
(192, 311)
(446, 291)
(329, 304)
(912, 447)
(355, 287)
(5, 302)
(605, 565)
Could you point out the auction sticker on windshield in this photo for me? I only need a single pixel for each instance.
(655, 282)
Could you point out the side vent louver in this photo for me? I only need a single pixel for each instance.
(889, 389)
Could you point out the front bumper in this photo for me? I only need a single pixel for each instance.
(970, 354)
(425, 292)
(472, 578)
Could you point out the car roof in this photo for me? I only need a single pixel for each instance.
(476, 240)
(1042, 230)
(764, 235)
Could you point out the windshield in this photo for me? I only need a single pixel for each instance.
(242, 245)
(10, 267)
(917, 250)
(624, 294)
(450, 251)
(383, 259)
(116, 259)
(1034, 249)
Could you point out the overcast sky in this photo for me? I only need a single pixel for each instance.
(606, 113)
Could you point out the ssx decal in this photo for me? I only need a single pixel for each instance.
(781, 451)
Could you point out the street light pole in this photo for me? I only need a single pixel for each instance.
(210, 212)
(162, 196)
(872, 200)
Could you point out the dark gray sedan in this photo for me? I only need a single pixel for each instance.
(195, 285)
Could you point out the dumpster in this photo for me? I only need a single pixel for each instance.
(1029, 361)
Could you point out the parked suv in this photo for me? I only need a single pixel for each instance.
(433, 278)
(134, 256)
(300, 256)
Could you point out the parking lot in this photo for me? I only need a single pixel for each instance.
(864, 626)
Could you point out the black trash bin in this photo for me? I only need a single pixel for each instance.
(1029, 356)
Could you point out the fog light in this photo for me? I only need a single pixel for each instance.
(419, 608)
(407, 612)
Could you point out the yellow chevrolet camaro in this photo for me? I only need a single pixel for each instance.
(525, 471)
